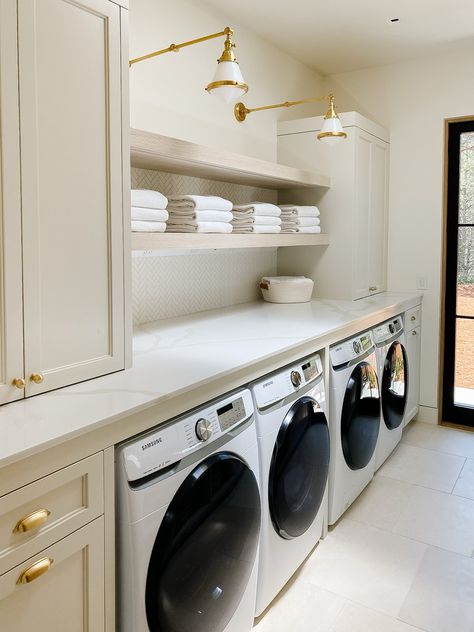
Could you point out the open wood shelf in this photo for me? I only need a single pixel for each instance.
(215, 241)
(162, 153)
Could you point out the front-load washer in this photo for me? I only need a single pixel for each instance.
(188, 520)
(293, 442)
(392, 367)
(354, 420)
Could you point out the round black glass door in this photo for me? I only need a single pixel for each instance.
(394, 385)
(205, 549)
(299, 469)
(360, 418)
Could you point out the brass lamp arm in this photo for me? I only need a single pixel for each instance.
(241, 111)
(174, 48)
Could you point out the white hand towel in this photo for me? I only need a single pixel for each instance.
(288, 229)
(258, 208)
(200, 216)
(308, 229)
(199, 202)
(300, 211)
(200, 227)
(148, 227)
(257, 228)
(303, 221)
(263, 220)
(148, 199)
(149, 214)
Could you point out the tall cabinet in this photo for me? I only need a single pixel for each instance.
(62, 193)
(353, 211)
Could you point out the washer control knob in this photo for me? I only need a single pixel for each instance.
(356, 346)
(203, 429)
(295, 377)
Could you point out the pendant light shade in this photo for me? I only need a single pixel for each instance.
(331, 130)
(228, 83)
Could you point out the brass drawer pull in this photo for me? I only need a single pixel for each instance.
(413, 317)
(19, 382)
(35, 570)
(413, 333)
(32, 521)
(372, 288)
(37, 378)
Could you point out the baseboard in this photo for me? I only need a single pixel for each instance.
(427, 415)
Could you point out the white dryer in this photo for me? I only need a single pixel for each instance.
(354, 420)
(188, 522)
(293, 442)
(392, 367)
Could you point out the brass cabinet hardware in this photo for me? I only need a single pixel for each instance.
(413, 333)
(19, 382)
(413, 317)
(37, 378)
(372, 288)
(35, 570)
(32, 521)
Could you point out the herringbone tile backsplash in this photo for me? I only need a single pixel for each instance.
(171, 285)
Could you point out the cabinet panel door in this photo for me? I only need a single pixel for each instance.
(69, 596)
(363, 178)
(11, 309)
(378, 216)
(413, 347)
(71, 135)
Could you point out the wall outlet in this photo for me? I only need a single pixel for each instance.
(421, 283)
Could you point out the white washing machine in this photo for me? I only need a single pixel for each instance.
(392, 367)
(354, 420)
(188, 522)
(293, 442)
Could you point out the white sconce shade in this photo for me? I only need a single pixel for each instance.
(228, 83)
(331, 130)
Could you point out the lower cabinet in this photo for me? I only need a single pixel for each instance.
(413, 347)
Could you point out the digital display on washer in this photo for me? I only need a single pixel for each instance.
(309, 369)
(366, 342)
(231, 413)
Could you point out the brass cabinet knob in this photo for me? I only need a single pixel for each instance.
(32, 521)
(35, 570)
(19, 382)
(37, 378)
(413, 333)
(372, 288)
(413, 317)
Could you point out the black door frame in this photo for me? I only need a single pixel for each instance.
(450, 412)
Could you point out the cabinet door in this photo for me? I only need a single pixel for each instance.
(362, 212)
(11, 309)
(413, 347)
(67, 595)
(71, 157)
(378, 216)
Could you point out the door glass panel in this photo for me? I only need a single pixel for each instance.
(464, 375)
(394, 386)
(466, 178)
(465, 273)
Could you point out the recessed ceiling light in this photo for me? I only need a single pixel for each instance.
(395, 20)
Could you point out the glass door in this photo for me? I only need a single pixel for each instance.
(458, 366)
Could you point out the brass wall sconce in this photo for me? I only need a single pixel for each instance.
(331, 130)
(228, 82)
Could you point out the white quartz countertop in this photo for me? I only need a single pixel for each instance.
(175, 357)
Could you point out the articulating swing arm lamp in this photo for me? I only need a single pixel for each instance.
(331, 129)
(228, 81)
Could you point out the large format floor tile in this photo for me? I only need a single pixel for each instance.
(442, 596)
(355, 618)
(372, 567)
(423, 467)
(465, 483)
(440, 439)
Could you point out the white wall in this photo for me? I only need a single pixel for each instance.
(167, 93)
(412, 99)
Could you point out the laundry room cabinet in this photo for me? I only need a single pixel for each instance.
(62, 193)
(354, 211)
(413, 347)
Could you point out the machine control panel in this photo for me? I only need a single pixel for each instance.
(387, 330)
(171, 442)
(349, 350)
(279, 385)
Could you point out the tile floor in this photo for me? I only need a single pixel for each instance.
(402, 558)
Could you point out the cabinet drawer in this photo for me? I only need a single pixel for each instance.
(412, 318)
(43, 512)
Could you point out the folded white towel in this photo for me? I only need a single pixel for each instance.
(263, 220)
(199, 202)
(149, 214)
(288, 229)
(148, 199)
(258, 208)
(300, 211)
(148, 227)
(200, 227)
(308, 229)
(303, 221)
(200, 216)
(257, 228)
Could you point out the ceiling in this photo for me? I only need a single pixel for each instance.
(343, 35)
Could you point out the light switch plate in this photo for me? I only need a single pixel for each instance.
(421, 283)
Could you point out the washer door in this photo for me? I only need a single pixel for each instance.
(299, 469)
(205, 549)
(360, 418)
(394, 385)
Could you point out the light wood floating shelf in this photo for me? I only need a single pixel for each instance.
(214, 241)
(162, 153)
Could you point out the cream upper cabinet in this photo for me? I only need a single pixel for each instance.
(62, 292)
(353, 210)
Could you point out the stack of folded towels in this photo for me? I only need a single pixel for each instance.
(257, 217)
(299, 219)
(199, 214)
(148, 211)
